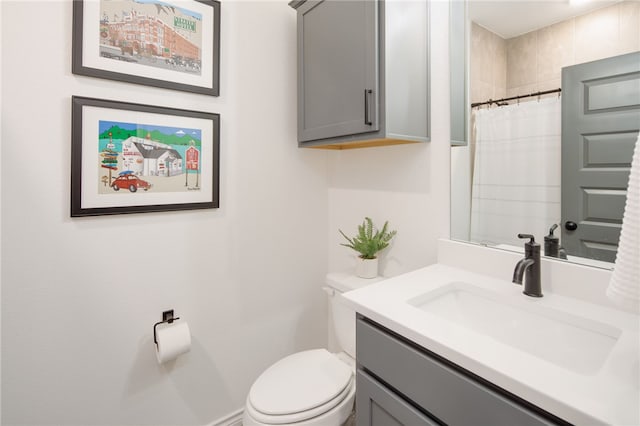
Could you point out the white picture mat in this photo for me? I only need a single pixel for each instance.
(90, 198)
(91, 48)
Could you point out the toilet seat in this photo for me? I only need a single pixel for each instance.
(300, 387)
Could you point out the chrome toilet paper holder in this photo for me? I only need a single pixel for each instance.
(167, 317)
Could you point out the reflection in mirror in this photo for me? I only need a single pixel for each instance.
(523, 170)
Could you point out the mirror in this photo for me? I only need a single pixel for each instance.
(502, 51)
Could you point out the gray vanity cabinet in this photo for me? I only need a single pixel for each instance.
(401, 383)
(363, 73)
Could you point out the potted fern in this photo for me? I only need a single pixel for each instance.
(368, 243)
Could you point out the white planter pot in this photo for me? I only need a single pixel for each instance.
(366, 268)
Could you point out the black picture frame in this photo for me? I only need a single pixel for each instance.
(146, 161)
(153, 60)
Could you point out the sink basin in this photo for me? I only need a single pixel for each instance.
(569, 341)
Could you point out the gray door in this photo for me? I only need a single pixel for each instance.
(337, 68)
(600, 124)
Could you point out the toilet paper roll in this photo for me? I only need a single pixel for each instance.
(173, 340)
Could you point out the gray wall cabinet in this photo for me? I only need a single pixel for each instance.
(400, 383)
(459, 104)
(363, 72)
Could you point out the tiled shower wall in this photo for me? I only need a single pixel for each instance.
(488, 65)
(533, 61)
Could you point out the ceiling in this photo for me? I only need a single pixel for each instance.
(511, 18)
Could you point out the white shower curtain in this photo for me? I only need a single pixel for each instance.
(516, 172)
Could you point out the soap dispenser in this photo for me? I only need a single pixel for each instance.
(552, 245)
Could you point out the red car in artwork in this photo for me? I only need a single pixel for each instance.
(127, 180)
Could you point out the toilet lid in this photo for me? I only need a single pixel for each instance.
(300, 382)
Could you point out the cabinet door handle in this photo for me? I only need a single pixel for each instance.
(367, 106)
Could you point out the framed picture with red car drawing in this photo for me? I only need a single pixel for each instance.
(174, 44)
(133, 158)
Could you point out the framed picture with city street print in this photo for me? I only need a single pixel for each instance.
(132, 158)
(173, 44)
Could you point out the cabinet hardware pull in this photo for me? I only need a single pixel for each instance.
(367, 106)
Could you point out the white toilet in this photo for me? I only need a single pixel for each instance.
(314, 387)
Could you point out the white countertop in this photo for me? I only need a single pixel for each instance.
(609, 395)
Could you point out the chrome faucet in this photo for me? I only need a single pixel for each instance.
(529, 267)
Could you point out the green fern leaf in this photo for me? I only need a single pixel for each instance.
(369, 240)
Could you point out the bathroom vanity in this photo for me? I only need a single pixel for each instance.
(458, 343)
(420, 387)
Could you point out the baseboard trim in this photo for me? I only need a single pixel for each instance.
(231, 419)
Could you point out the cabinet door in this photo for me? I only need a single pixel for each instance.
(337, 68)
(459, 104)
(378, 406)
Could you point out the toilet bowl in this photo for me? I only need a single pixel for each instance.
(314, 387)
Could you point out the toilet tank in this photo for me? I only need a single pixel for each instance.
(342, 319)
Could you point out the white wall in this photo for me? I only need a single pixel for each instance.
(77, 319)
(79, 300)
(1, 221)
(461, 180)
(408, 185)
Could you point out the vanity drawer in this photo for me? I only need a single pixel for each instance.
(440, 388)
(379, 406)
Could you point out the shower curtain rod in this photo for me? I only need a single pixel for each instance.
(530, 95)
